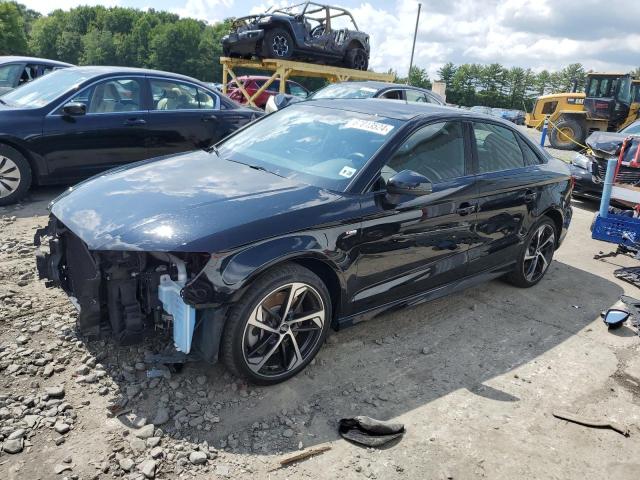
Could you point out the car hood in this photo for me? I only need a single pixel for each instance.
(194, 202)
(605, 144)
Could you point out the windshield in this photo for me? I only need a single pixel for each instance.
(345, 90)
(45, 89)
(633, 129)
(8, 74)
(315, 145)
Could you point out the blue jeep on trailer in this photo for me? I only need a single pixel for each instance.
(307, 31)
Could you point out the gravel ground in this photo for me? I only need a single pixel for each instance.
(474, 377)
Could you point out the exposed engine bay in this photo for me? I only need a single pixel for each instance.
(127, 294)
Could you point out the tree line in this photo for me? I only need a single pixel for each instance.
(161, 40)
(114, 36)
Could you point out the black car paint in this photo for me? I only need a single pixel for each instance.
(65, 149)
(375, 251)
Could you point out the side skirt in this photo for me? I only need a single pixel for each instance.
(427, 296)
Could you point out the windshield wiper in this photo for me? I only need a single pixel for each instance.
(262, 169)
(213, 149)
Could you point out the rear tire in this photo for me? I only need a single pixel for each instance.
(15, 175)
(536, 254)
(278, 44)
(266, 342)
(569, 127)
(356, 58)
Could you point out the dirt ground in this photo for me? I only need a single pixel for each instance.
(474, 377)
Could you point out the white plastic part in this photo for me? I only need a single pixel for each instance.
(184, 316)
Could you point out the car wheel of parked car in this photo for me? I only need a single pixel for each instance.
(356, 58)
(566, 129)
(278, 326)
(15, 175)
(278, 44)
(536, 255)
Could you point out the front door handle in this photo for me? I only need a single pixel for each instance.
(132, 122)
(466, 208)
(529, 196)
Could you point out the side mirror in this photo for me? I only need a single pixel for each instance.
(408, 182)
(282, 100)
(74, 109)
(615, 317)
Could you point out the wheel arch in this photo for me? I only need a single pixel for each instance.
(277, 23)
(355, 43)
(247, 266)
(558, 220)
(35, 168)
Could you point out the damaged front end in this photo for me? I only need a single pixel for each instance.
(605, 145)
(126, 294)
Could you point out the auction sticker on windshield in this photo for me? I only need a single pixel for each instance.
(347, 172)
(369, 126)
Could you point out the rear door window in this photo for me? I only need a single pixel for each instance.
(274, 87)
(207, 100)
(393, 95)
(170, 95)
(530, 157)
(416, 96)
(497, 148)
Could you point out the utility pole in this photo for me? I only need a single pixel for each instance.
(413, 48)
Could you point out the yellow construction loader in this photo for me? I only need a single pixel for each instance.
(611, 101)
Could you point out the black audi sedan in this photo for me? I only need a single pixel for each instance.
(320, 215)
(76, 122)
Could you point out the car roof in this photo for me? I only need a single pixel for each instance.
(398, 109)
(16, 58)
(96, 71)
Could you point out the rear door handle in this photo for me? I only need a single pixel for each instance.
(466, 208)
(132, 122)
(209, 118)
(529, 196)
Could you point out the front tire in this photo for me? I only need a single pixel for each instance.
(15, 175)
(278, 44)
(278, 326)
(536, 255)
(566, 129)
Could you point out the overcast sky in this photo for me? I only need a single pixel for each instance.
(602, 35)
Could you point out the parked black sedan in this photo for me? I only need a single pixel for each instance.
(323, 214)
(79, 121)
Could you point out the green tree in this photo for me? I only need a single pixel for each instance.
(13, 37)
(28, 16)
(418, 77)
(573, 73)
(99, 48)
(446, 73)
